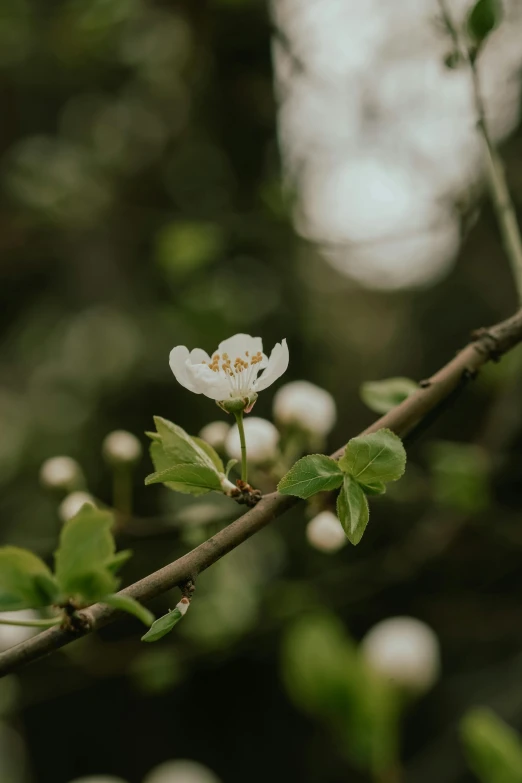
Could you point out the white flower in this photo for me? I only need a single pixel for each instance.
(121, 447)
(232, 371)
(181, 772)
(10, 635)
(261, 438)
(71, 504)
(404, 650)
(325, 532)
(215, 433)
(61, 473)
(305, 405)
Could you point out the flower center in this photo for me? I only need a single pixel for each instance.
(241, 373)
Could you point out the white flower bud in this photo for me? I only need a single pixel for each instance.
(181, 772)
(215, 433)
(11, 635)
(71, 504)
(404, 650)
(306, 406)
(61, 473)
(261, 438)
(121, 447)
(325, 532)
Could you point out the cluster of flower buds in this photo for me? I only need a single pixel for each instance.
(121, 450)
(298, 404)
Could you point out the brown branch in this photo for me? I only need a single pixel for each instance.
(488, 344)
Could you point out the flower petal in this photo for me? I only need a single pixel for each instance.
(179, 356)
(198, 356)
(276, 366)
(212, 384)
(239, 344)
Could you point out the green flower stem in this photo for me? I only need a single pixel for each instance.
(244, 466)
(122, 489)
(34, 623)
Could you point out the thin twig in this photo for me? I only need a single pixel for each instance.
(498, 186)
(489, 344)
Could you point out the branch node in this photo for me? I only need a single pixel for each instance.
(487, 342)
(74, 621)
(248, 496)
(188, 587)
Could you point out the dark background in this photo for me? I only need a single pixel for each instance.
(141, 208)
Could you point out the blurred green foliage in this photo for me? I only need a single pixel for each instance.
(326, 676)
(494, 750)
(460, 476)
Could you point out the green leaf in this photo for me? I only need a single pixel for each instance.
(163, 625)
(378, 457)
(86, 543)
(353, 510)
(382, 396)
(210, 452)
(373, 488)
(119, 559)
(483, 18)
(192, 479)
(162, 463)
(25, 581)
(312, 474)
(86, 557)
(179, 447)
(493, 749)
(127, 604)
(87, 587)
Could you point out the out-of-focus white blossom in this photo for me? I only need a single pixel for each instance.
(306, 406)
(71, 504)
(325, 532)
(121, 447)
(261, 437)
(404, 650)
(215, 433)
(231, 373)
(61, 473)
(11, 635)
(181, 772)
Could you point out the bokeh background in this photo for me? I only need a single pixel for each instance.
(173, 173)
